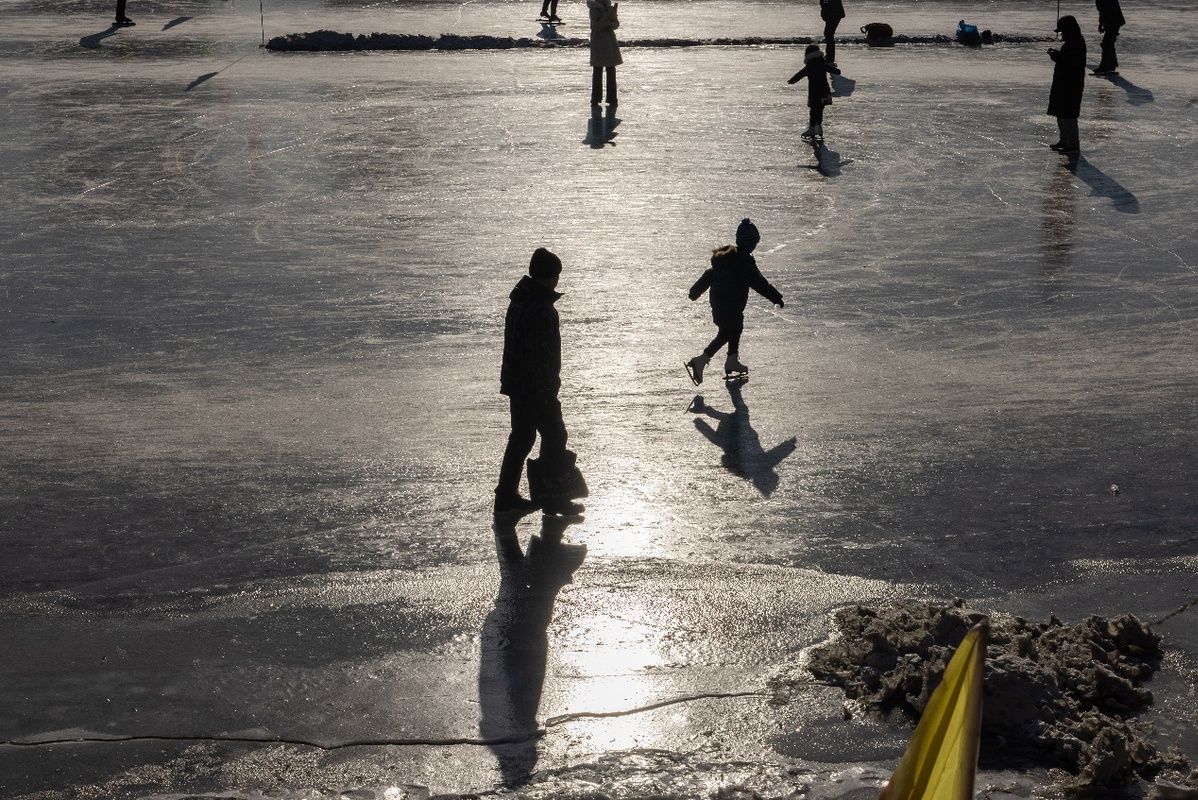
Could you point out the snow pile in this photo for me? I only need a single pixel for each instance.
(320, 41)
(1055, 695)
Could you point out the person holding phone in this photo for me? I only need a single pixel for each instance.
(1068, 82)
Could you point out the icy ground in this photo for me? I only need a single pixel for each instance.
(251, 308)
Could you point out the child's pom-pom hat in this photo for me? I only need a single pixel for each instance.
(747, 236)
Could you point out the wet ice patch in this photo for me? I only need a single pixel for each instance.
(669, 775)
(1056, 695)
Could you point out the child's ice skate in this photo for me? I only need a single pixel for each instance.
(694, 368)
(809, 134)
(818, 135)
(734, 370)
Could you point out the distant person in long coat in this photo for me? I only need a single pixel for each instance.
(1068, 82)
(831, 12)
(1110, 20)
(605, 50)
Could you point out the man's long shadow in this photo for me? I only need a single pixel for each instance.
(1104, 185)
(94, 40)
(743, 453)
(515, 642)
(1136, 95)
(601, 128)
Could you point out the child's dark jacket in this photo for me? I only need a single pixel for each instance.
(729, 279)
(819, 93)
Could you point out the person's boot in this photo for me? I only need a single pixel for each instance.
(694, 367)
(819, 133)
(808, 134)
(1071, 139)
(124, 22)
(545, 13)
(733, 367)
(564, 508)
(514, 504)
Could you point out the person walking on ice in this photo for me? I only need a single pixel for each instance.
(1110, 20)
(531, 378)
(733, 272)
(831, 12)
(819, 93)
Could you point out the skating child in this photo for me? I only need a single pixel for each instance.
(733, 272)
(819, 93)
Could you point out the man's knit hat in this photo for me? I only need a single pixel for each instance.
(544, 264)
(747, 236)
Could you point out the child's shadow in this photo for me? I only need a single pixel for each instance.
(842, 86)
(743, 453)
(93, 41)
(827, 162)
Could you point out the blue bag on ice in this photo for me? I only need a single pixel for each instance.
(968, 34)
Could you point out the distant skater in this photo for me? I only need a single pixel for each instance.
(549, 11)
(122, 21)
(1068, 82)
(733, 272)
(819, 93)
(831, 12)
(531, 378)
(1110, 20)
(605, 50)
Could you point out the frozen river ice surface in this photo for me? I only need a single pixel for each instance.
(252, 309)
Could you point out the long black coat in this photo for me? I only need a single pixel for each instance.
(1110, 15)
(729, 279)
(831, 10)
(532, 342)
(1068, 80)
(819, 93)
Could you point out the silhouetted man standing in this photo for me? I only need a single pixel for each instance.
(831, 12)
(531, 377)
(1110, 20)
